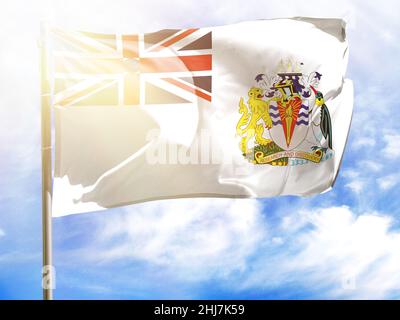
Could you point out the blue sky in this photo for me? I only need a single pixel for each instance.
(342, 244)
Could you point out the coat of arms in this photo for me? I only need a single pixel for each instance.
(276, 121)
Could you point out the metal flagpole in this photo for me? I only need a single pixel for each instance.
(48, 270)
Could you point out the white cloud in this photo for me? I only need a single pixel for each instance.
(2, 233)
(357, 185)
(363, 142)
(337, 247)
(356, 182)
(350, 173)
(205, 235)
(389, 181)
(330, 252)
(374, 166)
(392, 148)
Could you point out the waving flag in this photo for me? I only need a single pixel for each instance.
(254, 109)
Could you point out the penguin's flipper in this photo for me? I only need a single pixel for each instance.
(326, 125)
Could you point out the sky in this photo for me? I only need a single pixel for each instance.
(344, 244)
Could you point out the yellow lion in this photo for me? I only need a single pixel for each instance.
(248, 125)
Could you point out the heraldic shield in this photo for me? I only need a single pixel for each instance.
(290, 120)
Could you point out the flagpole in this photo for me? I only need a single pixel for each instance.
(47, 271)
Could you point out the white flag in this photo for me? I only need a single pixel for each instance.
(254, 109)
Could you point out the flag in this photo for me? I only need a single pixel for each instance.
(253, 109)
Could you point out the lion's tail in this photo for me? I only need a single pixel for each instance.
(244, 118)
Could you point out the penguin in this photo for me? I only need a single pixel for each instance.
(325, 123)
